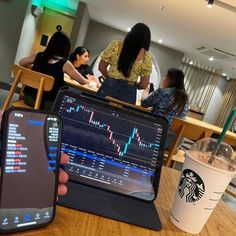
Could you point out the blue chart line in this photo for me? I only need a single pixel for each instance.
(135, 136)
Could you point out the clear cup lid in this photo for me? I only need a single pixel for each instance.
(221, 157)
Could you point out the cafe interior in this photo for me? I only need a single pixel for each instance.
(197, 36)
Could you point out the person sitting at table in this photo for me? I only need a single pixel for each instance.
(123, 62)
(171, 100)
(80, 58)
(52, 61)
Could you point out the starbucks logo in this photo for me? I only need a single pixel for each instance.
(191, 186)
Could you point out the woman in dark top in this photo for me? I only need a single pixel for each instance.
(53, 61)
(80, 58)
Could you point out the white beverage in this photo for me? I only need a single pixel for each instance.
(92, 85)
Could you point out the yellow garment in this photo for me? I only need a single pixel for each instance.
(141, 68)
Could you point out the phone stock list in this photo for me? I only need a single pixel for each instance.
(53, 136)
(16, 152)
(18, 161)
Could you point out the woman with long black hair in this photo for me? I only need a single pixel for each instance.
(171, 100)
(123, 62)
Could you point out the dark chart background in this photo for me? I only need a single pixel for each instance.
(109, 148)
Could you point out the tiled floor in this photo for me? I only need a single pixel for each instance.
(229, 200)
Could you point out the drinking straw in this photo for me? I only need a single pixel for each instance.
(222, 135)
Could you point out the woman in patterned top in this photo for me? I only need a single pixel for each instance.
(123, 62)
(171, 100)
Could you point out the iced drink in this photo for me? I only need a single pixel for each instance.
(92, 84)
(201, 184)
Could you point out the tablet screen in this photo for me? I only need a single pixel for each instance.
(111, 148)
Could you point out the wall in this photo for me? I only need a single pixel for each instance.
(47, 26)
(80, 26)
(99, 35)
(12, 14)
(26, 40)
(212, 110)
(166, 57)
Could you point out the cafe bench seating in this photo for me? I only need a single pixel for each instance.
(27, 77)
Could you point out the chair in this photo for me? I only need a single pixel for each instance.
(231, 189)
(30, 78)
(185, 129)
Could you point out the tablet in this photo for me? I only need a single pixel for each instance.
(111, 148)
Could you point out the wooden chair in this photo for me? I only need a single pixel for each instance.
(183, 128)
(30, 78)
(231, 189)
(119, 103)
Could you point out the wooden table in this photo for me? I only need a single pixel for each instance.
(69, 222)
(229, 138)
(79, 86)
(120, 103)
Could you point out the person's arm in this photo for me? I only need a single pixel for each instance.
(69, 69)
(153, 99)
(107, 56)
(102, 67)
(184, 113)
(149, 101)
(144, 82)
(27, 61)
(146, 71)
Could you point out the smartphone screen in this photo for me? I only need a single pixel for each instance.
(29, 166)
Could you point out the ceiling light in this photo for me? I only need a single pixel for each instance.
(211, 59)
(224, 74)
(191, 62)
(160, 41)
(128, 29)
(210, 3)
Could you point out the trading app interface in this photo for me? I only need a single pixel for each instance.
(110, 148)
(29, 171)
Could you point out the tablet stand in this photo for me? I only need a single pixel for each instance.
(111, 205)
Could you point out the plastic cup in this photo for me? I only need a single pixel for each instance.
(92, 85)
(201, 184)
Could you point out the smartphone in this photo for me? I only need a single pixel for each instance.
(30, 159)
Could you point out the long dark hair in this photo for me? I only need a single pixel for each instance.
(176, 77)
(78, 50)
(139, 37)
(58, 45)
